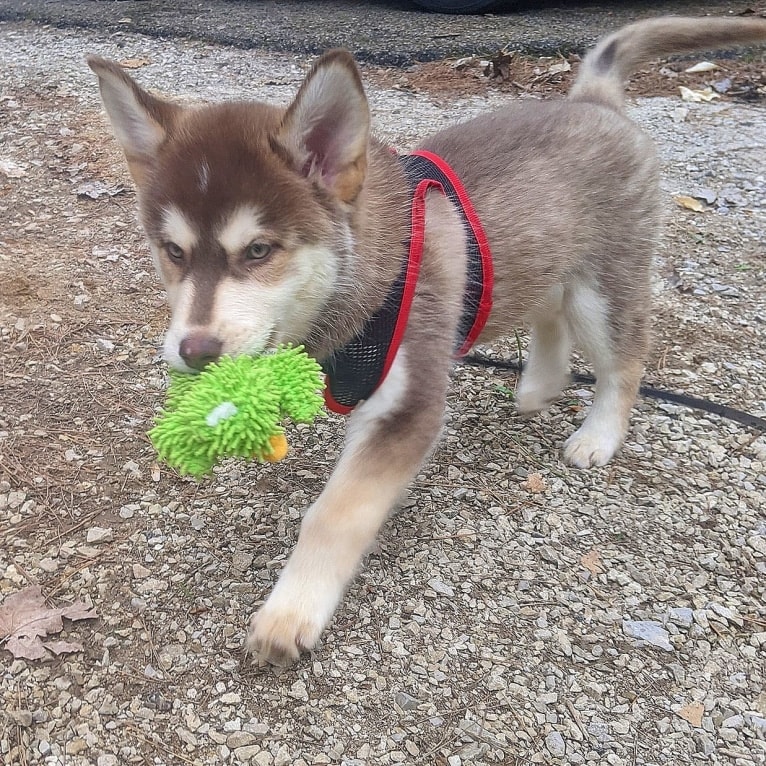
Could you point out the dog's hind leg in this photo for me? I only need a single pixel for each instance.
(546, 371)
(616, 346)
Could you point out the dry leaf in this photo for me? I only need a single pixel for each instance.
(534, 483)
(692, 713)
(134, 63)
(690, 203)
(562, 66)
(25, 620)
(592, 562)
(98, 189)
(703, 66)
(687, 94)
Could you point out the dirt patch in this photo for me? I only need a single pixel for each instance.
(508, 72)
(475, 605)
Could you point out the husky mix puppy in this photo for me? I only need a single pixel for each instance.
(274, 225)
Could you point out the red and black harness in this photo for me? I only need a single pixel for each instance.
(354, 372)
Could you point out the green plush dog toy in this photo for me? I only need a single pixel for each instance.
(234, 408)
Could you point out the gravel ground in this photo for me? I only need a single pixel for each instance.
(515, 611)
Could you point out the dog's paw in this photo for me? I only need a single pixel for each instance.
(534, 395)
(586, 448)
(529, 403)
(279, 636)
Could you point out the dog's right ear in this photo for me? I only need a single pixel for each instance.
(140, 121)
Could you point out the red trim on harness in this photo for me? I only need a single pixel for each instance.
(331, 404)
(413, 267)
(485, 303)
(414, 257)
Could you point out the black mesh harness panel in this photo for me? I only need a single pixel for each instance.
(355, 371)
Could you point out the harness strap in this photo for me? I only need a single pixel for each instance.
(355, 371)
(477, 302)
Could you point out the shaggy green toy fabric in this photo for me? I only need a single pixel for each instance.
(234, 408)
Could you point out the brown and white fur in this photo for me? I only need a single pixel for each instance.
(272, 225)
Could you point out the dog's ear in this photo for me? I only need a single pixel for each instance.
(140, 121)
(325, 131)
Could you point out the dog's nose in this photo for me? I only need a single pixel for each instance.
(198, 350)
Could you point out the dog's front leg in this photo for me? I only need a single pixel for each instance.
(388, 438)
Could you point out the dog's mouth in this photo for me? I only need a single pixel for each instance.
(199, 348)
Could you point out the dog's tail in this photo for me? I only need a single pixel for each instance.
(608, 65)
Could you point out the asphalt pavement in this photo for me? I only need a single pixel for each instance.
(390, 33)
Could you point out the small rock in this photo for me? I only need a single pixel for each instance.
(109, 706)
(140, 571)
(621, 727)
(440, 587)
(700, 617)
(496, 683)
(240, 739)
(107, 759)
(231, 698)
(555, 744)
(733, 722)
(563, 641)
(756, 722)
(648, 630)
(729, 615)
(22, 718)
(241, 561)
(138, 605)
(298, 691)
(704, 742)
(758, 544)
(681, 616)
(128, 511)
(99, 534)
(722, 86)
(76, 746)
(244, 754)
(186, 736)
(728, 735)
(406, 701)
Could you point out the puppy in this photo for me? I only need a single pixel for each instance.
(270, 225)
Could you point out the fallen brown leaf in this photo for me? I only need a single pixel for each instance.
(592, 562)
(692, 713)
(534, 483)
(134, 63)
(690, 203)
(25, 620)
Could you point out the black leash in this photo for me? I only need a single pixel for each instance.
(723, 410)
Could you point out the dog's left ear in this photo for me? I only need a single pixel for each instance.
(325, 131)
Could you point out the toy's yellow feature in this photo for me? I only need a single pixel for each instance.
(278, 452)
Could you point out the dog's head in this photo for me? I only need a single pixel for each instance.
(247, 207)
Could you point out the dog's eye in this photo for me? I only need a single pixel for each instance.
(174, 251)
(257, 251)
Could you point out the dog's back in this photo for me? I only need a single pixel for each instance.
(567, 192)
